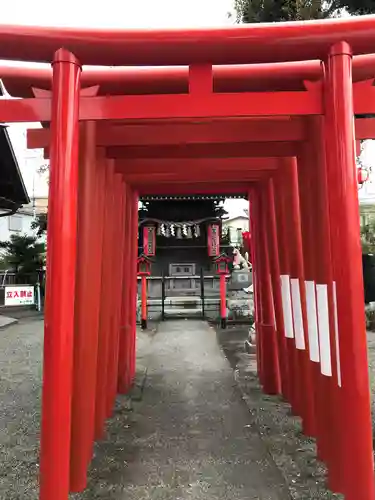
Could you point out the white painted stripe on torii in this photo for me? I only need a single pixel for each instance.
(312, 321)
(337, 340)
(287, 306)
(273, 301)
(297, 314)
(323, 326)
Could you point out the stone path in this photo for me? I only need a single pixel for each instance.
(189, 435)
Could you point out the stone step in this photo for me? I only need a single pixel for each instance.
(183, 313)
(191, 302)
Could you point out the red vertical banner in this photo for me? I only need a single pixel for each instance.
(213, 236)
(149, 241)
(246, 237)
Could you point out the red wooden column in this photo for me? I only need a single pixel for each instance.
(106, 302)
(112, 275)
(102, 176)
(276, 289)
(355, 409)
(255, 240)
(97, 250)
(144, 302)
(60, 285)
(307, 165)
(270, 362)
(298, 295)
(133, 285)
(123, 363)
(320, 269)
(131, 298)
(117, 270)
(290, 200)
(269, 328)
(253, 264)
(86, 310)
(282, 221)
(313, 255)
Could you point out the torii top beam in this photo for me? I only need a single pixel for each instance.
(255, 43)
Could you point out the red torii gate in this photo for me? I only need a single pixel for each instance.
(307, 264)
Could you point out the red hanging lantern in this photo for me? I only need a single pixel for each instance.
(246, 238)
(213, 236)
(362, 175)
(149, 241)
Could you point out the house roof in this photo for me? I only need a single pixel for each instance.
(241, 216)
(13, 192)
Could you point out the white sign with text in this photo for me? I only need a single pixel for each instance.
(20, 295)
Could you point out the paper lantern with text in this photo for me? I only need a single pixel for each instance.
(213, 243)
(362, 175)
(246, 238)
(149, 241)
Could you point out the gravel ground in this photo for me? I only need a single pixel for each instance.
(293, 453)
(185, 434)
(121, 457)
(20, 376)
(20, 392)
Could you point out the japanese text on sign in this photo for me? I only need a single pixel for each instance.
(19, 295)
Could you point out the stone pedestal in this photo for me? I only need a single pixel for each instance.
(240, 300)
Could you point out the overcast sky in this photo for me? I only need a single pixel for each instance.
(122, 14)
(118, 13)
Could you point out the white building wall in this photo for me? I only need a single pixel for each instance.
(236, 227)
(366, 192)
(29, 160)
(241, 223)
(18, 223)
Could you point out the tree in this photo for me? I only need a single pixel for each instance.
(368, 238)
(39, 224)
(24, 254)
(265, 11)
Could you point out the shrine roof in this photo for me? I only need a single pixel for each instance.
(193, 197)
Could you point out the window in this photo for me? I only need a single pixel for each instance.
(15, 223)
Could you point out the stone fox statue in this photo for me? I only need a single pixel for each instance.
(240, 262)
